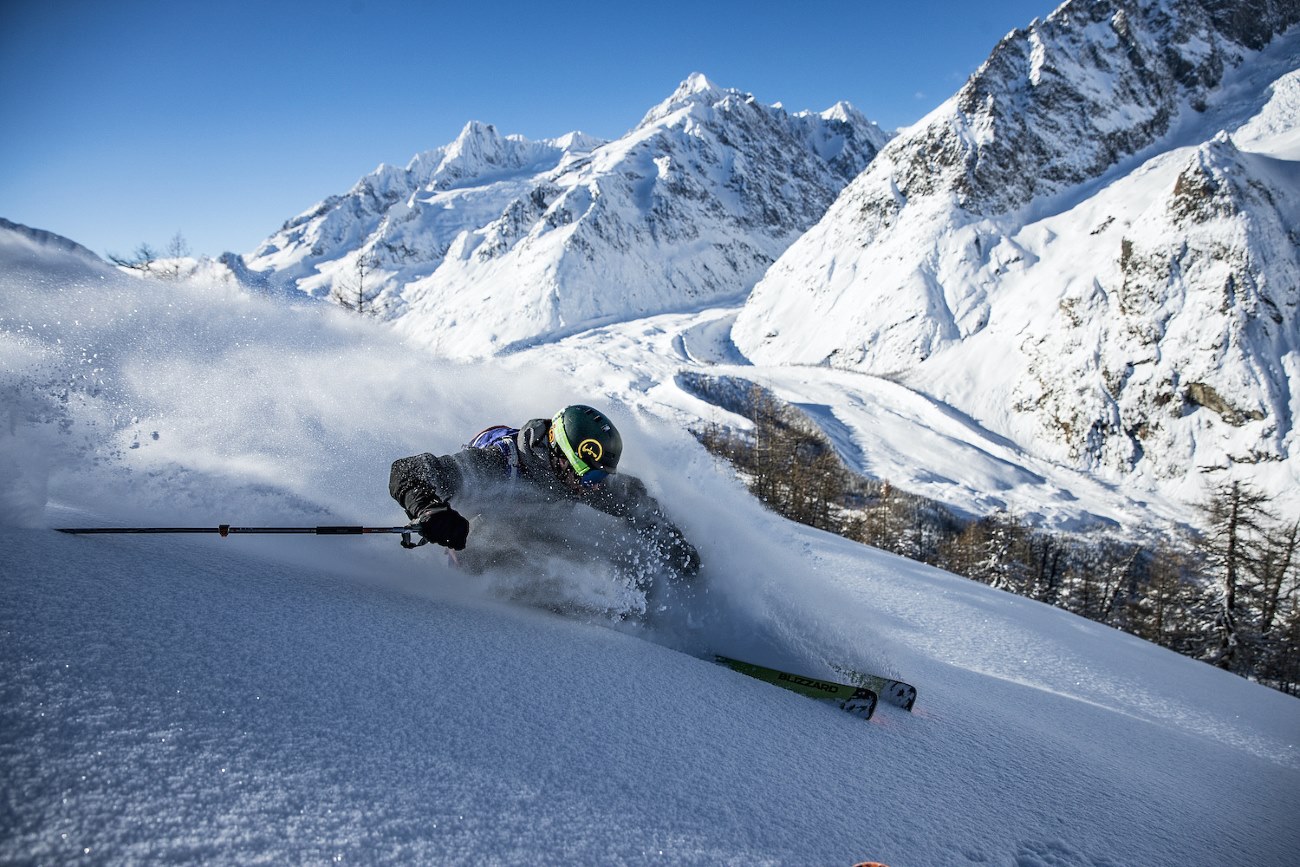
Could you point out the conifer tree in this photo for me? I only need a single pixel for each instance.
(1235, 518)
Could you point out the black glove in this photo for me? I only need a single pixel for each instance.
(443, 525)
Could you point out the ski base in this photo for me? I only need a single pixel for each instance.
(858, 700)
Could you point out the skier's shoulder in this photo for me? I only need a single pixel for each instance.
(626, 487)
(465, 461)
(533, 436)
(623, 496)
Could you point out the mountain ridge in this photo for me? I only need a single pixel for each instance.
(494, 241)
(959, 260)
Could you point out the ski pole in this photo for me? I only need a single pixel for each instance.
(225, 530)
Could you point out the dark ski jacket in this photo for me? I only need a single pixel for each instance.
(426, 480)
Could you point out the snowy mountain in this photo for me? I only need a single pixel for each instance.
(494, 241)
(339, 699)
(41, 240)
(1091, 248)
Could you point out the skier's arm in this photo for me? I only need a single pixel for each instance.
(626, 497)
(423, 482)
(672, 547)
(426, 481)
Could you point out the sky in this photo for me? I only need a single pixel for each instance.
(137, 121)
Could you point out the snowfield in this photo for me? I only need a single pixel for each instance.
(313, 700)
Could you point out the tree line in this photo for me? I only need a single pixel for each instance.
(147, 260)
(1226, 594)
(351, 292)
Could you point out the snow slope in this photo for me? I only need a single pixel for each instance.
(312, 699)
(880, 427)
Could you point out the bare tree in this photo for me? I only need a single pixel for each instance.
(1277, 573)
(148, 260)
(1163, 611)
(351, 294)
(177, 250)
(143, 259)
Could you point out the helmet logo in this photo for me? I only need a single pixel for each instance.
(590, 450)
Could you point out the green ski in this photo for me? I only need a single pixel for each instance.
(857, 700)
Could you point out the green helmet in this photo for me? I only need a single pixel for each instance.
(588, 442)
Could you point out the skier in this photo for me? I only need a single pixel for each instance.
(572, 458)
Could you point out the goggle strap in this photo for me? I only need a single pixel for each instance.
(561, 438)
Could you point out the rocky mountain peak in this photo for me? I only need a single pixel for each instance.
(695, 91)
(1072, 235)
(549, 236)
(1062, 101)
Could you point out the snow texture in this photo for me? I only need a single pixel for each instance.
(309, 700)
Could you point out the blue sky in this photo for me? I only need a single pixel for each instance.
(131, 120)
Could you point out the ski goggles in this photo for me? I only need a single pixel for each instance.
(587, 474)
(592, 477)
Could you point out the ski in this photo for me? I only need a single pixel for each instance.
(855, 699)
(891, 691)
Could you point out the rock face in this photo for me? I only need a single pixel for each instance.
(493, 241)
(1091, 246)
(1189, 334)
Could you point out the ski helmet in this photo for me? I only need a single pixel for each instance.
(588, 442)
